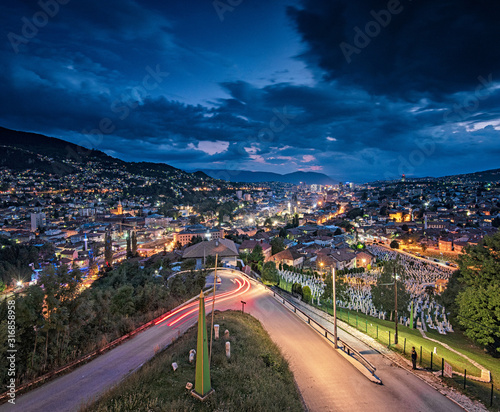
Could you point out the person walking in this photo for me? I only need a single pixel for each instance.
(414, 357)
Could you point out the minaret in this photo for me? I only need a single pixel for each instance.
(86, 242)
(119, 209)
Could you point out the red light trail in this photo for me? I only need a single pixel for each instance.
(243, 284)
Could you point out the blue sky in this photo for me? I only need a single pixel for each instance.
(359, 90)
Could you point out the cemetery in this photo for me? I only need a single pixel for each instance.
(419, 278)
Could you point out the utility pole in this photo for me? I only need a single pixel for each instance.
(395, 307)
(334, 298)
(213, 310)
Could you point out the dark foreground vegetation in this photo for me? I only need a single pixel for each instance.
(58, 320)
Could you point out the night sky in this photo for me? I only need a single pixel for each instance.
(358, 90)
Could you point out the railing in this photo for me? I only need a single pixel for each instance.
(344, 346)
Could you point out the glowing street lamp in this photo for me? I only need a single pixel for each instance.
(334, 301)
(396, 277)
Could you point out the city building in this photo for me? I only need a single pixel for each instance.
(225, 249)
(185, 236)
(38, 220)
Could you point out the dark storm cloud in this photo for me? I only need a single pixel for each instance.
(421, 98)
(426, 47)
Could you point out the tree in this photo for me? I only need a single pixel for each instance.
(479, 301)
(122, 301)
(341, 292)
(306, 294)
(277, 245)
(346, 225)
(297, 289)
(354, 213)
(405, 228)
(210, 262)
(270, 273)
(449, 297)
(134, 243)
(188, 264)
(256, 256)
(337, 232)
(394, 244)
(383, 292)
(195, 240)
(108, 249)
(129, 247)
(200, 279)
(495, 222)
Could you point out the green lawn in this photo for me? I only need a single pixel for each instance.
(255, 378)
(379, 329)
(371, 325)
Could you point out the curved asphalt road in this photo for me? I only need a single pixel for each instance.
(326, 380)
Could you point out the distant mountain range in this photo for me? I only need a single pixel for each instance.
(247, 176)
(22, 151)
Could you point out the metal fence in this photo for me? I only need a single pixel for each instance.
(327, 333)
(430, 361)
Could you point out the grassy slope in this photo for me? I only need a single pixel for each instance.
(456, 340)
(256, 378)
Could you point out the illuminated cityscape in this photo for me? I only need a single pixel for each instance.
(230, 205)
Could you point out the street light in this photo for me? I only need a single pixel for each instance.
(395, 307)
(395, 283)
(213, 309)
(334, 309)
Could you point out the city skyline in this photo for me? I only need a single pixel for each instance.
(357, 92)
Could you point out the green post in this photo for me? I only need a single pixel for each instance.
(356, 321)
(202, 386)
(366, 325)
(377, 331)
(420, 355)
(348, 317)
(431, 361)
